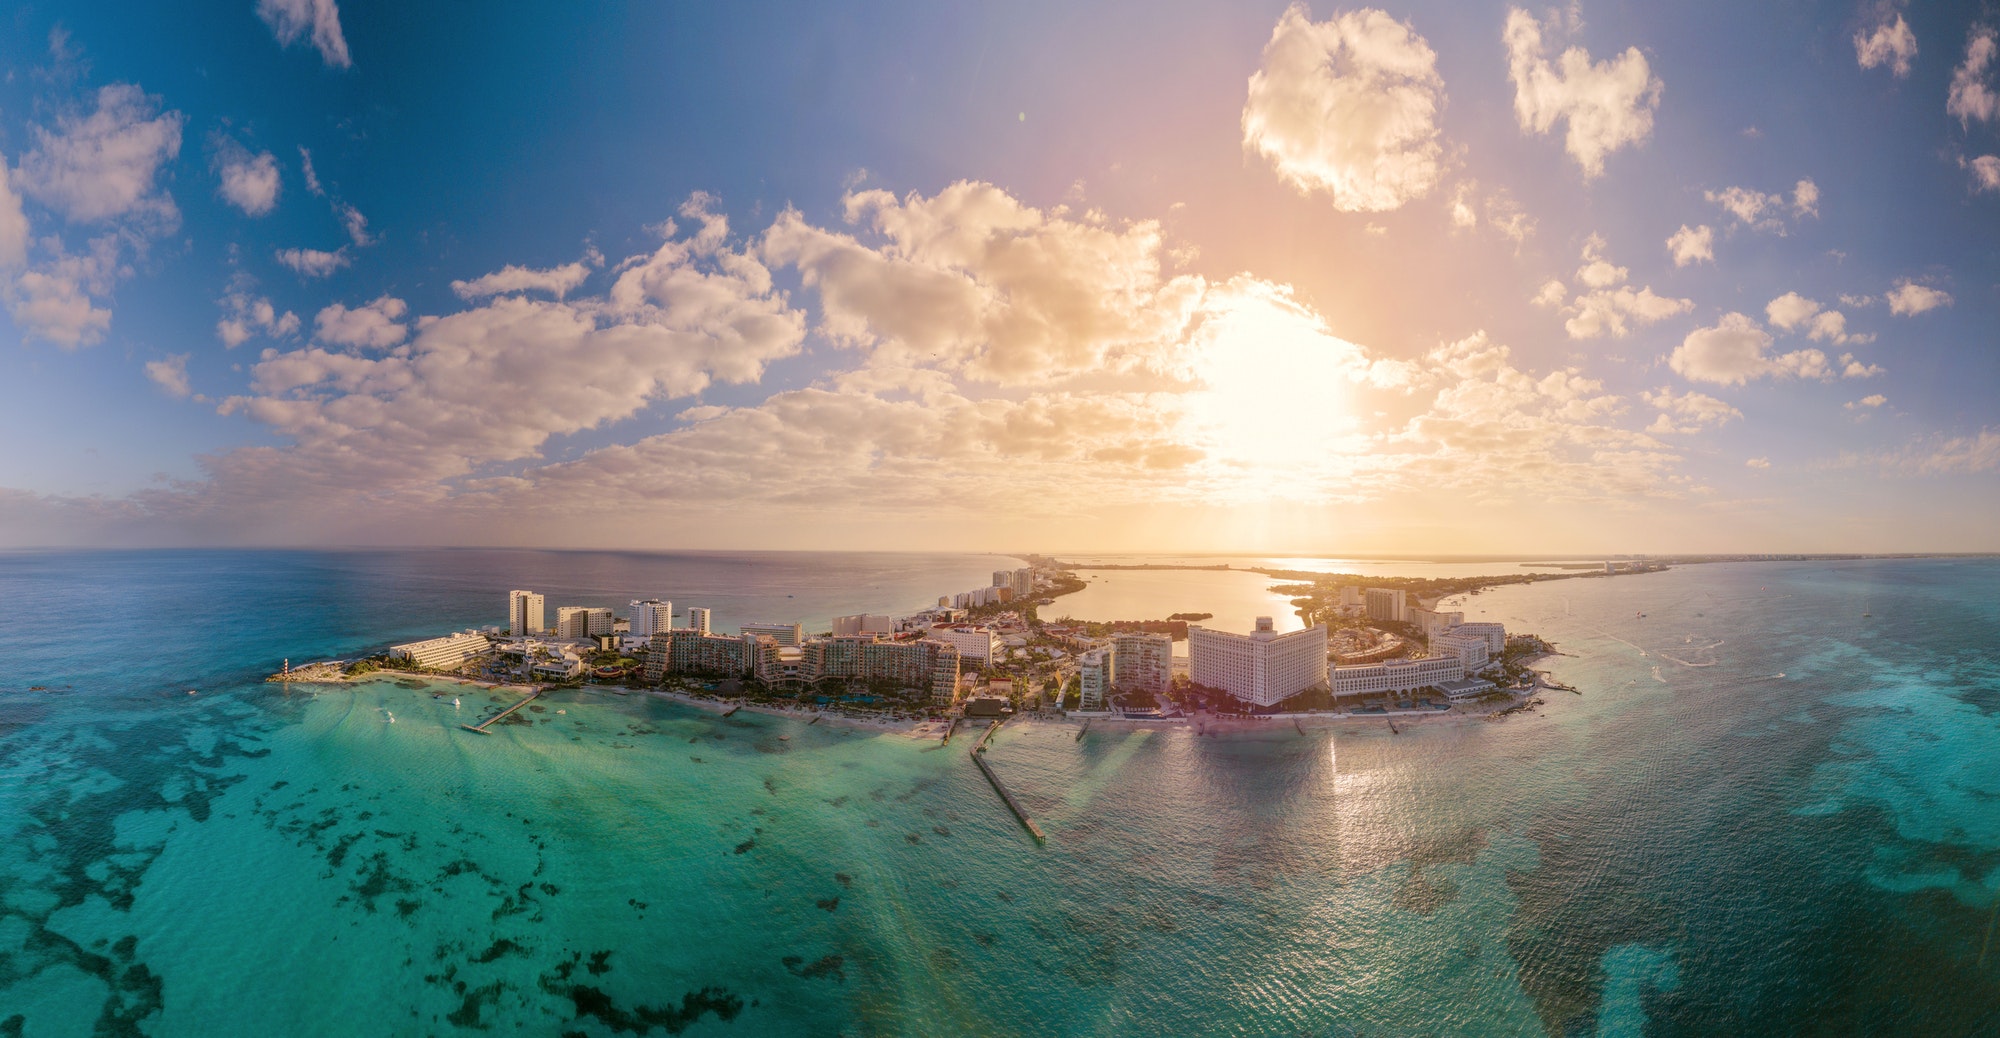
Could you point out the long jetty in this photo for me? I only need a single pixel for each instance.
(950, 728)
(1007, 797)
(981, 746)
(481, 726)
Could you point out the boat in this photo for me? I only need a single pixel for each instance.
(454, 702)
(1865, 616)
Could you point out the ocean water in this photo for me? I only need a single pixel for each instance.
(1234, 599)
(1695, 845)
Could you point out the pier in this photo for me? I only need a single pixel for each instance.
(950, 728)
(731, 712)
(981, 747)
(1006, 797)
(481, 726)
(1081, 732)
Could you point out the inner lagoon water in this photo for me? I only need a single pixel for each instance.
(1765, 814)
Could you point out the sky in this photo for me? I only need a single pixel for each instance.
(1437, 277)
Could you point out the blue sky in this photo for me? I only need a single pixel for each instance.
(1180, 276)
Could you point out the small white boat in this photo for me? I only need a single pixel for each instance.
(454, 702)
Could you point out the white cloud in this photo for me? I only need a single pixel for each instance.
(1607, 104)
(1805, 198)
(556, 281)
(312, 263)
(1851, 368)
(1909, 298)
(14, 228)
(493, 383)
(1856, 301)
(1872, 400)
(356, 224)
(320, 19)
(1502, 213)
(375, 326)
(103, 166)
(1732, 352)
(1757, 463)
(1606, 305)
(53, 300)
(1766, 212)
(1935, 455)
(1790, 311)
(170, 374)
(1985, 172)
(1971, 96)
(1349, 107)
(1688, 412)
(248, 182)
(972, 281)
(1890, 43)
(311, 175)
(1692, 245)
(245, 315)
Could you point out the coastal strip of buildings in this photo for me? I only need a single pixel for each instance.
(932, 650)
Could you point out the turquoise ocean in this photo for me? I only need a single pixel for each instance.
(1765, 814)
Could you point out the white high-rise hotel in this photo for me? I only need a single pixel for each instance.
(1263, 667)
(524, 613)
(651, 616)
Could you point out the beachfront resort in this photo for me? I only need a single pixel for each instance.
(987, 652)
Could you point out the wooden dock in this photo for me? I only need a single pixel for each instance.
(981, 747)
(1081, 732)
(950, 728)
(1006, 797)
(481, 726)
(731, 712)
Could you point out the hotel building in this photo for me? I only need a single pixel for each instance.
(442, 653)
(863, 623)
(1470, 649)
(576, 623)
(699, 619)
(783, 634)
(1397, 675)
(1142, 662)
(524, 613)
(651, 616)
(1495, 635)
(1094, 671)
(1263, 667)
(1387, 604)
(975, 644)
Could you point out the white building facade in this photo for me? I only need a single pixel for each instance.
(1396, 675)
(651, 616)
(1471, 650)
(442, 653)
(783, 634)
(1495, 635)
(1095, 671)
(1142, 662)
(975, 644)
(524, 613)
(1387, 604)
(1263, 667)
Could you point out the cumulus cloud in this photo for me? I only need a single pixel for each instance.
(1985, 172)
(1501, 212)
(1732, 352)
(312, 263)
(315, 20)
(1605, 304)
(104, 165)
(248, 182)
(1606, 105)
(245, 315)
(376, 326)
(1872, 400)
(690, 314)
(1909, 298)
(1790, 311)
(170, 374)
(1692, 245)
(1687, 413)
(1349, 107)
(1766, 212)
(972, 281)
(556, 281)
(1757, 463)
(53, 301)
(1890, 42)
(1972, 97)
